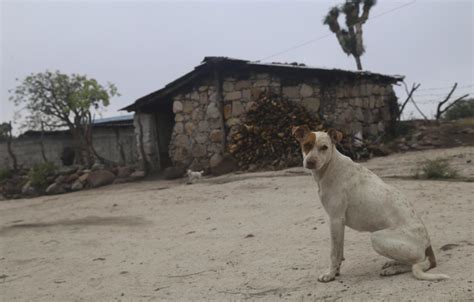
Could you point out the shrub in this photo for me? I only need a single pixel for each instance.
(461, 109)
(5, 173)
(436, 169)
(39, 173)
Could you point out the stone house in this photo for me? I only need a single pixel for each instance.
(187, 122)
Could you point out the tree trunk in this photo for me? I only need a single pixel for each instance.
(83, 154)
(10, 152)
(359, 64)
(43, 153)
(9, 147)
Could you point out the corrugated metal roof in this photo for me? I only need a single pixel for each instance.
(113, 119)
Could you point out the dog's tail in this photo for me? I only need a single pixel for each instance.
(419, 269)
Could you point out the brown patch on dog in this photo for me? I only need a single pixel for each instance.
(335, 135)
(431, 257)
(308, 144)
(300, 132)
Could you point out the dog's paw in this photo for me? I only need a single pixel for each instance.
(327, 277)
(390, 264)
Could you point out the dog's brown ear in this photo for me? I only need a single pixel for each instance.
(335, 135)
(300, 132)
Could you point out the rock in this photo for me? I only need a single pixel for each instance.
(227, 86)
(189, 128)
(359, 115)
(55, 188)
(67, 170)
(203, 126)
(239, 85)
(312, 104)
(232, 122)
(137, 174)
(174, 172)
(203, 98)
(182, 141)
(188, 107)
(100, 178)
(201, 138)
(97, 166)
(83, 177)
(178, 128)
(215, 136)
(212, 111)
(124, 172)
(232, 96)
(28, 189)
(246, 94)
(61, 179)
(72, 178)
(77, 185)
(177, 106)
(197, 115)
(262, 83)
(237, 108)
(215, 160)
(306, 90)
(179, 118)
(2, 198)
(291, 92)
(199, 151)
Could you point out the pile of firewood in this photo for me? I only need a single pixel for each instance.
(264, 139)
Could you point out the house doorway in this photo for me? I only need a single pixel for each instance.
(164, 129)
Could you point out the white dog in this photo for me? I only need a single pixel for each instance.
(353, 196)
(194, 175)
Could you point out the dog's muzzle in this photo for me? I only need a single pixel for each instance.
(310, 164)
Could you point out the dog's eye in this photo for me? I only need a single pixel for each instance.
(323, 148)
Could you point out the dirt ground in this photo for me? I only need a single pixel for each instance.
(259, 236)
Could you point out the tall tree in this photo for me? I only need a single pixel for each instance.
(350, 39)
(56, 100)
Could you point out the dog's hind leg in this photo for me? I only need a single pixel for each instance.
(399, 246)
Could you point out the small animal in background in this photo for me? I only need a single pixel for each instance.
(194, 175)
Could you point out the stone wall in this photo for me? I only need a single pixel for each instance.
(107, 141)
(197, 134)
(360, 108)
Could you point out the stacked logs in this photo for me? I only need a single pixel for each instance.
(264, 139)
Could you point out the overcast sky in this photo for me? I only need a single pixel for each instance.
(141, 46)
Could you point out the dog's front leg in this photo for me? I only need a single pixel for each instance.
(337, 249)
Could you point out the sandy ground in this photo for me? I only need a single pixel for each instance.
(260, 236)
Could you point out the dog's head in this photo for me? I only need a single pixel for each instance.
(317, 147)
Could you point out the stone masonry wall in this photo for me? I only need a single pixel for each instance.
(196, 138)
(359, 108)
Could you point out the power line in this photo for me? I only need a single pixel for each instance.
(447, 87)
(329, 34)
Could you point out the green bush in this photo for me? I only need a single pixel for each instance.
(39, 173)
(436, 169)
(5, 173)
(461, 109)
